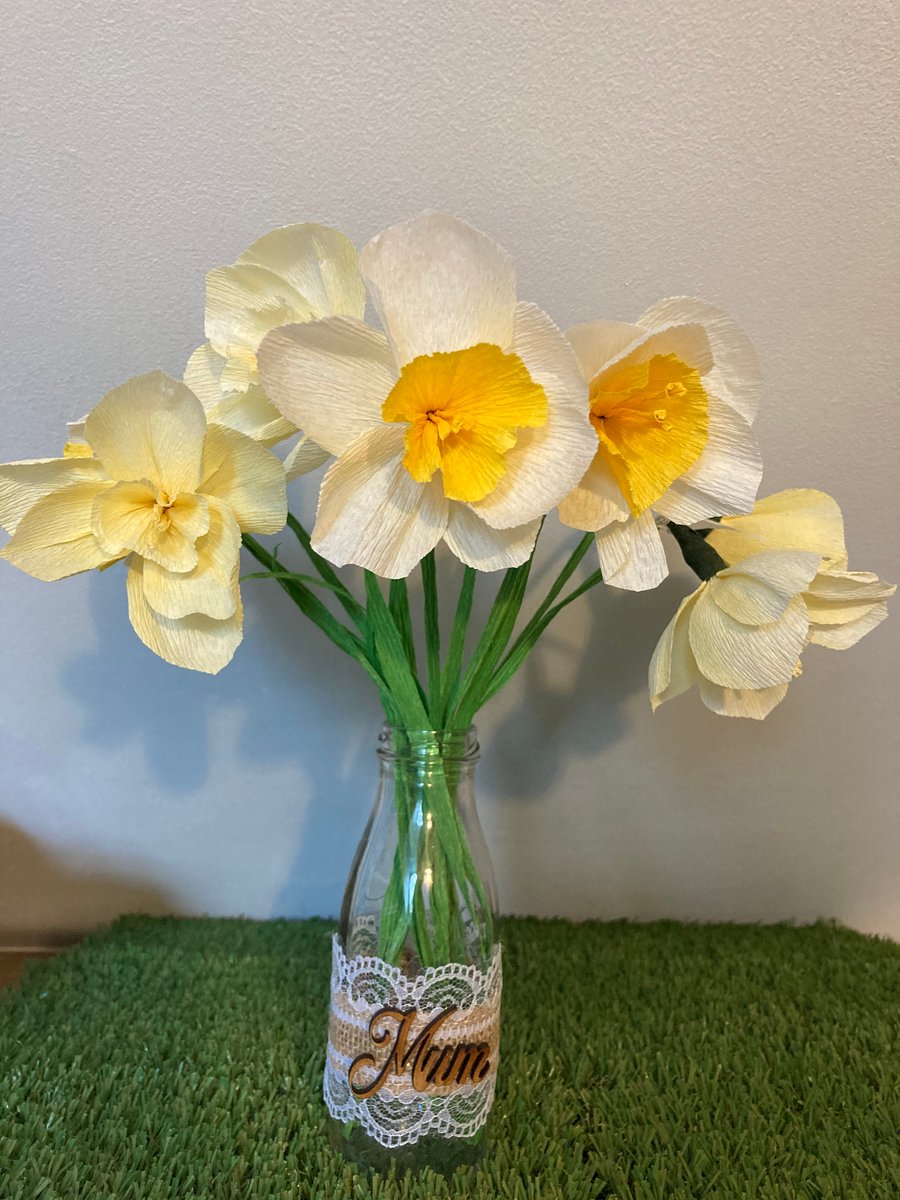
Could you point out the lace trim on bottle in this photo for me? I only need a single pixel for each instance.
(424, 1048)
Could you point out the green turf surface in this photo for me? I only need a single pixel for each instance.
(170, 1058)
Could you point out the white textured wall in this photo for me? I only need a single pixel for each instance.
(622, 151)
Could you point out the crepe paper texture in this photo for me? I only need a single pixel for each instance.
(461, 417)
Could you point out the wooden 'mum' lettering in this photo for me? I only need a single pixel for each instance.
(428, 1065)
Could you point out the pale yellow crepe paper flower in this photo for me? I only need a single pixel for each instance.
(740, 635)
(672, 397)
(297, 273)
(842, 605)
(160, 487)
(466, 420)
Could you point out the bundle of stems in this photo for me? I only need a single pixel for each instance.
(377, 632)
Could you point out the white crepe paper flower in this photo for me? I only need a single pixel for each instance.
(150, 481)
(739, 637)
(297, 273)
(466, 420)
(672, 400)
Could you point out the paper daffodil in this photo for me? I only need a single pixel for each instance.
(672, 400)
(298, 273)
(842, 605)
(151, 482)
(739, 637)
(466, 420)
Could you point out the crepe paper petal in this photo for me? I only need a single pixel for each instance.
(752, 602)
(735, 376)
(306, 456)
(842, 637)
(735, 655)
(371, 511)
(244, 302)
(632, 555)
(54, 538)
(247, 477)
(844, 606)
(462, 411)
(597, 343)
(250, 412)
(150, 428)
(129, 517)
(486, 549)
(439, 284)
(724, 479)
(651, 419)
(253, 414)
(197, 642)
(203, 375)
(329, 377)
(320, 263)
(547, 462)
(759, 589)
(733, 702)
(596, 501)
(795, 519)
(672, 667)
(22, 484)
(688, 343)
(835, 596)
(209, 587)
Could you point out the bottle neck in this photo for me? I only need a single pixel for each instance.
(455, 751)
(421, 890)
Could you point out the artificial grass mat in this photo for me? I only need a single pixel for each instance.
(183, 1058)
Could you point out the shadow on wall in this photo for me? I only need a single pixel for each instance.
(60, 899)
(273, 705)
(575, 693)
(276, 696)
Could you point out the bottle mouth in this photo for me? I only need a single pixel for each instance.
(422, 745)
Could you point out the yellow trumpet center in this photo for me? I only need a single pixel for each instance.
(464, 409)
(652, 422)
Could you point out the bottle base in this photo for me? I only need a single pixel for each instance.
(444, 1156)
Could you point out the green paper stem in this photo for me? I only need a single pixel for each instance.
(311, 606)
(432, 637)
(433, 877)
(450, 675)
(354, 610)
(398, 604)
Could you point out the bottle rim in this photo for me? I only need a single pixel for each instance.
(449, 745)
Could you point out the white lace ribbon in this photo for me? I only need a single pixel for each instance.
(412, 1056)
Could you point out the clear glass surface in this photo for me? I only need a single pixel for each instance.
(421, 890)
(421, 893)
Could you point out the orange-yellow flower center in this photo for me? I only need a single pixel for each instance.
(464, 409)
(652, 422)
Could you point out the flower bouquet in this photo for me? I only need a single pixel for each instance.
(466, 419)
